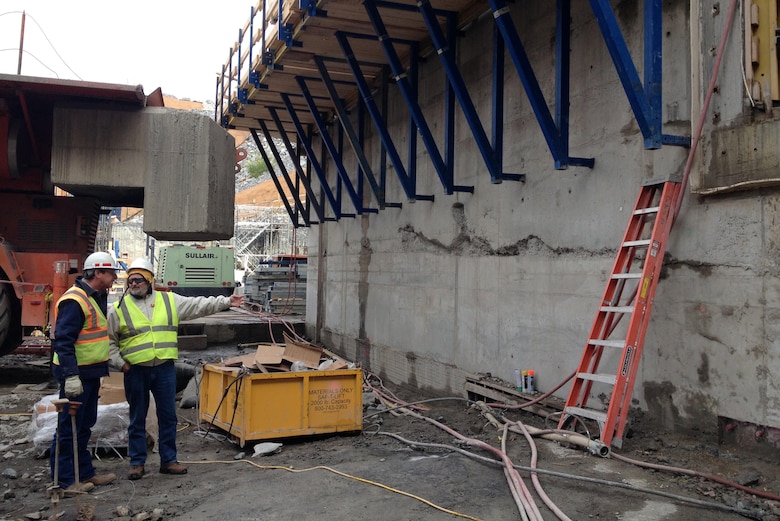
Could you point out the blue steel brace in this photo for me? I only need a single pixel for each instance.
(285, 30)
(352, 137)
(334, 154)
(551, 133)
(411, 100)
(446, 52)
(361, 126)
(376, 116)
(645, 99)
(282, 195)
(311, 156)
(295, 152)
(290, 185)
(449, 110)
(254, 76)
(243, 94)
(310, 6)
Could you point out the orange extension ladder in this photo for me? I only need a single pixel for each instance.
(635, 274)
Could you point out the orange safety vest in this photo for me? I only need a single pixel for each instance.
(92, 343)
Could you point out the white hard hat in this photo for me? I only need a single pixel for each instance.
(142, 265)
(100, 260)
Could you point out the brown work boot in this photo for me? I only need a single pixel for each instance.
(78, 488)
(136, 472)
(173, 468)
(101, 479)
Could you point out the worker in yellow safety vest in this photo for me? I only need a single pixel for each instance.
(80, 359)
(142, 330)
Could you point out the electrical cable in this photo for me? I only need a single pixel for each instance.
(239, 376)
(342, 474)
(28, 15)
(390, 409)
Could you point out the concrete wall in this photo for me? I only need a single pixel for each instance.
(510, 276)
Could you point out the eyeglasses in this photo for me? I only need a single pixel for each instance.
(136, 281)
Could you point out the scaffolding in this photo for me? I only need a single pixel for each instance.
(262, 232)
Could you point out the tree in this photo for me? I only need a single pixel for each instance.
(256, 168)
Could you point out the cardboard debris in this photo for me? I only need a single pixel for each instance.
(268, 354)
(240, 361)
(269, 358)
(308, 354)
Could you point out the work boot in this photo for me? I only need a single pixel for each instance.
(78, 488)
(136, 472)
(101, 479)
(173, 468)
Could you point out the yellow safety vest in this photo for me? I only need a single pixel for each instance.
(92, 344)
(141, 340)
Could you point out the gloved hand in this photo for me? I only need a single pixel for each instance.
(73, 386)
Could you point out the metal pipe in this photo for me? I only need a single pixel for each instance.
(21, 45)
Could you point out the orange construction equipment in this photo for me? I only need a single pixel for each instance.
(635, 274)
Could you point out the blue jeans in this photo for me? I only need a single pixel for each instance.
(161, 382)
(86, 416)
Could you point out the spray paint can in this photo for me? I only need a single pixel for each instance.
(525, 381)
(529, 382)
(518, 380)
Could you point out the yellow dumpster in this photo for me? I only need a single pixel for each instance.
(262, 406)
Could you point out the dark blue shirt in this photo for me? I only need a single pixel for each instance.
(70, 321)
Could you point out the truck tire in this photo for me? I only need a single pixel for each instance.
(10, 319)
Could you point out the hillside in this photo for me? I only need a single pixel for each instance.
(264, 194)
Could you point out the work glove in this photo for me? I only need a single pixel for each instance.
(73, 386)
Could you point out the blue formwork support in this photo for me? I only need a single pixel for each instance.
(562, 74)
(376, 116)
(282, 195)
(352, 137)
(401, 79)
(290, 185)
(552, 134)
(318, 208)
(310, 6)
(334, 153)
(362, 122)
(652, 70)
(311, 156)
(497, 99)
(523, 66)
(291, 151)
(449, 112)
(648, 122)
(446, 52)
(562, 83)
(411, 127)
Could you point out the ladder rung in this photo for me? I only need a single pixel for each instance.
(598, 377)
(607, 343)
(643, 211)
(617, 309)
(636, 275)
(642, 242)
(599, 416)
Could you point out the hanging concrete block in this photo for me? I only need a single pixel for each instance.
(179, 166)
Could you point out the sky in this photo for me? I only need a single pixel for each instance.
(177, 45)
